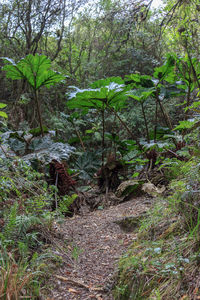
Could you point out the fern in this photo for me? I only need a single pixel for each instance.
(87, 164)
(11, 222)
(65, 203)
(17, 227)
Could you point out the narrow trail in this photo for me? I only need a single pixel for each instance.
(94, 243)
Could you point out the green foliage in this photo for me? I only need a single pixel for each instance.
(141, 94)
(18, 229)
(87, 165)
(36, 69)
(36, 150)
(188, 124)
(136, 80)
(2, 113)
(65, 202)
(15, 278)
(159, 261)
(25, 201)
(166, 71)
(185, 196)
(102, 94)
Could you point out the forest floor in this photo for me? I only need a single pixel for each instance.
(93, 243)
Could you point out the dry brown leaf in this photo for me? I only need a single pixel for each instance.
(68, 273)
(73, 291)
(126, 242)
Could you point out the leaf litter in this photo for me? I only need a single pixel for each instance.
(94, 242)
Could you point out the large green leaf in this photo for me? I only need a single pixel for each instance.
(106, 82)
(141, 94)
(33, 68)
(166, 71)
(100, 95)
(137, 80)
(2, 105)
(2, 113)
(186, 124)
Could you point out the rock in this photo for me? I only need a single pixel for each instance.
(127, 187)
(152, 190)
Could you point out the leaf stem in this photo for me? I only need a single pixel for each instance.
(39, 111)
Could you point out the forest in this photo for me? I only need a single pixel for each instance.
(99, 149)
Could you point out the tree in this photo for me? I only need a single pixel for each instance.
(27, 25)
(110, 33)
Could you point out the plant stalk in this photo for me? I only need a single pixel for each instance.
(156, 121)
(126, 127)
(145, 122)
(39, 111)
(103, 133)
(165, 115)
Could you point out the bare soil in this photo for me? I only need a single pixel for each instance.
(94, 243)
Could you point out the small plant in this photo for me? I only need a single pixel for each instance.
(65, 202)
(15, 279)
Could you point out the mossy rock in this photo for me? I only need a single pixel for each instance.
(130, 223)
(128, 188)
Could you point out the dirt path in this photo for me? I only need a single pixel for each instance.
(94, 243)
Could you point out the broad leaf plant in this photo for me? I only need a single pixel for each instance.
(36, 70)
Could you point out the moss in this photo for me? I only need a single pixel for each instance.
(130, 223)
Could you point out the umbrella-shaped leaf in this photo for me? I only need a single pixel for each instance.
(139, 80)
(13, 72)
(87, 98)
(33, 68)
(106, 82)
(113, 95)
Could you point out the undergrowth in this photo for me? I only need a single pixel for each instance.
(164, 261)
(26, 230)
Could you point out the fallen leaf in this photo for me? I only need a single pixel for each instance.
(68, 273)
(126, 242)
(73, 291)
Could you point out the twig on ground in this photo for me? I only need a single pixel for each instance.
(79, 283)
